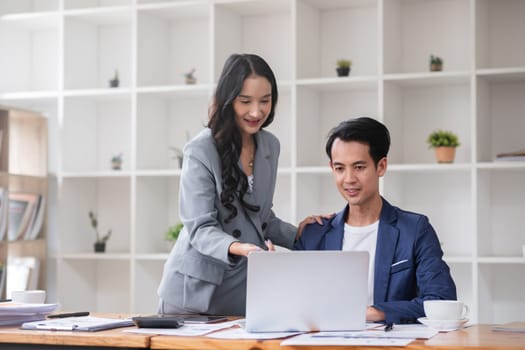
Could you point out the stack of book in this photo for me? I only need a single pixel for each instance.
(26, 215)
(518, 156)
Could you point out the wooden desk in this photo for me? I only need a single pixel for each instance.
(478, 337)
(14, 338)
(472, 338)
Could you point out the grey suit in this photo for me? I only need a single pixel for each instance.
(199, 275)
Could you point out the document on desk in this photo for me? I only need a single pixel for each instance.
(343, 340)
(240, 333)
(187, 330)
(82, 324)
(400, 335)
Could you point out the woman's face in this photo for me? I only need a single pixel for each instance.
(253, 105)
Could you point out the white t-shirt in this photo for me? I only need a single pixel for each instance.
(363, 238)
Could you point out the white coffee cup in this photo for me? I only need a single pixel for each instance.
(29, 296)
(445, 309)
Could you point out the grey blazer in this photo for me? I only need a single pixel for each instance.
(199, 275)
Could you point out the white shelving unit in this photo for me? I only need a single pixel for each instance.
(58, 56)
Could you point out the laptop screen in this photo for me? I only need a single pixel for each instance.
(306, 291)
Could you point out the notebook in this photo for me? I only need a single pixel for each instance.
(82, 324)
(306, 291)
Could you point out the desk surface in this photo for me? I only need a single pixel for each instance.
(476, 337)
(479, 337)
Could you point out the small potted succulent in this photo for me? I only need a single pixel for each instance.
(190, 77)
(343, 67)
(115, 81)
(436, 63)
(116, 162)
(100, 242)
(444, 143)
(173, 233)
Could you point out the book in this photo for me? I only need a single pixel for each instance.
(37, 218)
(4, 205)
(21, 206)
(511, 156)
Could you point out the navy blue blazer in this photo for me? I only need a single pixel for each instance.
(408, 264)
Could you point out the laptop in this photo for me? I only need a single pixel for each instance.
(306, 291)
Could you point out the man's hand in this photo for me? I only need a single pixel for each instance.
(374, 315)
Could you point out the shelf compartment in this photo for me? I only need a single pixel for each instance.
(24, 143)
(445, 198)
(167, 120)
(30, 6)
(412, 112)
(90, 4)
(322, 107)
(182, 43)
(237, 29)
(500, 121)
(97, 286)
(147, 279)
(462, 276)
(281, 126)
(331, 30)
(93, 131)
(157, 210)
(96, 44)
(499, 33)
(500, 210)
(317, 194)
(109, 199)
(501, 297)
(21, 36)
(413, 30)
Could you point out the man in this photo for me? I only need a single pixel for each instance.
(406, 265)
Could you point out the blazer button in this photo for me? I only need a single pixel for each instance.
(236, 233)
(264, 225)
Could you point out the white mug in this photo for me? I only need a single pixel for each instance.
(29, 296)
(445, 309)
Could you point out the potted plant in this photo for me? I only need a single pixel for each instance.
(173, 232)
(444, 143)
(116, 162)
(100, 243)
(436, 63)
(190, 78)
(343, 67)
(115, 81)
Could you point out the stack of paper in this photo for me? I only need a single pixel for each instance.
(12, 314)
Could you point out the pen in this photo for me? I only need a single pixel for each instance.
(389, 326)
(69, 314)
(5, 300)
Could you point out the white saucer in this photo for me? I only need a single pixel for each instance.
(443, 325)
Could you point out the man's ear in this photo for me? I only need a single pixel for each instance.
(381, 166)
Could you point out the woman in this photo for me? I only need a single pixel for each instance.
(226, 192)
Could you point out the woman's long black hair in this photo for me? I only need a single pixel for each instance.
(224, 128)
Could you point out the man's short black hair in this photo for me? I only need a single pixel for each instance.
(364, 130)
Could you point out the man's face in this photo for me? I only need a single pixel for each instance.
(355, 174)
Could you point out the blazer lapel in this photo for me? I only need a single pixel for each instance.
(334, 237)
(262, 175)
(387, 239)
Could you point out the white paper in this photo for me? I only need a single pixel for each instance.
(240, 333)
(315, 339)
(12, 314)
(187, 330)
(81, 323)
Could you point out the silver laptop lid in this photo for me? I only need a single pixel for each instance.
(306, 291)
